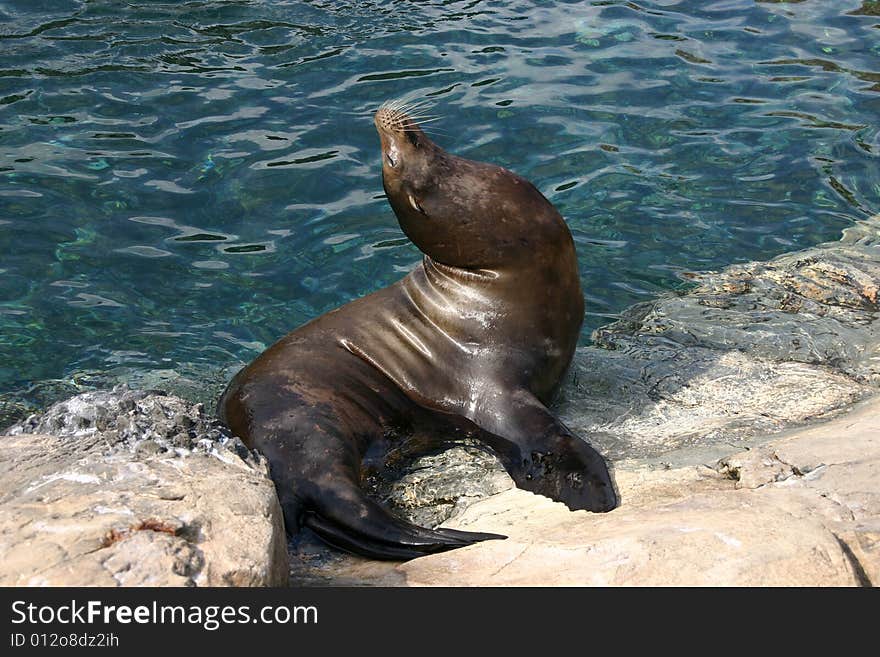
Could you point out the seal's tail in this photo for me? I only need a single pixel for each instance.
(358, 524)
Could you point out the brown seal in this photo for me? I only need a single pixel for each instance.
(476, 338)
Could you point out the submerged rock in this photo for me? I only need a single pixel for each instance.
(135, 488)
(199, 383)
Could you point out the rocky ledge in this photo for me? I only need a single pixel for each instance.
(128, 488)
(707, 402)
(802, 510)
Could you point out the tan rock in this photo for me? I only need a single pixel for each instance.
(74, 514)
(803, 510)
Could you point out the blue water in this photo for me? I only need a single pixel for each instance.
(181, 183)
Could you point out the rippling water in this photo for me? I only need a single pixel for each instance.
(181, 183)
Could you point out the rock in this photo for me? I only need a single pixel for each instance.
(810, 516)
(750, 351)
(135, 489)
(126, 419)
(432, 487)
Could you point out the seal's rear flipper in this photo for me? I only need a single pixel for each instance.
(362, 526)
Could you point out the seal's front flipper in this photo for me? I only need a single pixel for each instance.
(353, 522)
(543, 456)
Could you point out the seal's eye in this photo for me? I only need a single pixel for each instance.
(413, 137)
(391, 160)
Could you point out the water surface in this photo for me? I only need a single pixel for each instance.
(182, 183)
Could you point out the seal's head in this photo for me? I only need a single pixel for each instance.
(460, 212)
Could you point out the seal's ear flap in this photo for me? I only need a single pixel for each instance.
(417, 205)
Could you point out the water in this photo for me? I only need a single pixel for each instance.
(182, 183)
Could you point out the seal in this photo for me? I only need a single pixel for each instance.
(476, 338)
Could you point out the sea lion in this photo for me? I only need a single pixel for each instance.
(476, 338)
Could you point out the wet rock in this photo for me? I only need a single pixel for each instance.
(135, 488)
(750, 351)
(652, 403)
(134, 420)
(434, 487)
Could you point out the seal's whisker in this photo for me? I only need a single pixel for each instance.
(414, 102)
(436, 133)
(402, 105)
(392, 105)
(412, 106)
(413, 121)
(418, 118)
(408, 115)
(428, 119)
(421, 107)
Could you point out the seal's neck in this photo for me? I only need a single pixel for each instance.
(438, 269)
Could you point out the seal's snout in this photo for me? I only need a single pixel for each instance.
(391, 119)
(398, 132)
(384, 119)
(398, 116)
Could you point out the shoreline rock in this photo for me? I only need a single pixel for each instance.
(750, 351)
(803, 510)
(135, 489)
